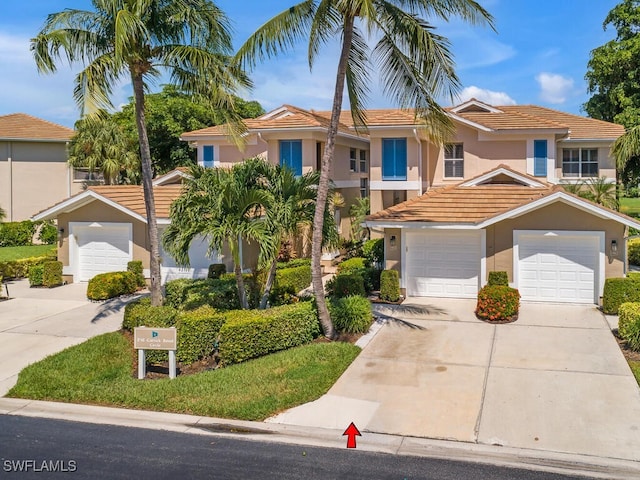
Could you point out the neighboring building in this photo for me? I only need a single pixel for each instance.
(33, 165)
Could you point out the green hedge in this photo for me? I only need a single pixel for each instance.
(111, 284)
(253, 333)
(17, 234)
(633, 251)
(20, 268)
(48, 233)
(351, 314)
(36, 272)
(140, 313)
(346, 285)
(198, 332)
(296, 262)
(352, 265)
(52, 274)
(188, 294)
(390, 286)
(135, 267)
(497, 303)
(288, 283)
(498, 278)
(373, 252)
(618, 291)
(629, 324)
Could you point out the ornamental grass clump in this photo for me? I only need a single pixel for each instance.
(497, 303)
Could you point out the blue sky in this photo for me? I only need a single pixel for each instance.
(538, 56)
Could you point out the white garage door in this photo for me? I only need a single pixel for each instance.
(556, 267)
(102, 248)
(443, 263)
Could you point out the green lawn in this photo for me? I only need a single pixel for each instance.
(16, 253)
(635, 368)
(630, 206)
(100, 372)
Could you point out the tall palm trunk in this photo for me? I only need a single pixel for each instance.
(147, 187)
(242, 291)
(269, 283)
(323, 187)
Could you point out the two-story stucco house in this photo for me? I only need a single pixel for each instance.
(33, 165)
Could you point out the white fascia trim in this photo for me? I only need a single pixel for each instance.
(170, 176)
(163, 221)
(421, 225)
(502, 171)
(605, 141)
(600, 235)
(264, 131)
(274, 113)
(346, 183)
(565, 198)
(395, 185)
(470, 123)
(477, 103)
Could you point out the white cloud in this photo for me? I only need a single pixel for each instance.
(484, 95)
(554, 88)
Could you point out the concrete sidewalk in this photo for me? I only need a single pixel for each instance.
(38, 322)
(555, 380)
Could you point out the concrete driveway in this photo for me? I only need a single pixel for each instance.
(554, 380)
(38, 322)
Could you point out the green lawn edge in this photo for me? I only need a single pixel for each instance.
(100, 372)
(8, 254)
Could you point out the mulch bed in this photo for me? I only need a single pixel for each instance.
(626, 351)
(499, 322)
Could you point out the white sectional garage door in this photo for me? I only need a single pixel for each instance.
(443, 263)
(558, 268)
(104, 247)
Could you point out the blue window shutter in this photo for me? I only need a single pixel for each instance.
(291, 155)
(394, 158)
(540, 158)
(207, 156)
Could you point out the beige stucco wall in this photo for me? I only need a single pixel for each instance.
(33, 176)
(392, 255)
(558, 216)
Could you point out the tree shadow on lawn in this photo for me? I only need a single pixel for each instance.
(114, 305)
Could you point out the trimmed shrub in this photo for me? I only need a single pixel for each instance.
(253, 285)
(219, 294)
(198, 332)
(353, 265)
(498, 278)
(111, 284)
(296, 262)
(498, 303)
(52, 274)
(346, 285)
(373, 252)
(216, 269)
(36, 273)
(633, 251)
(17, 234)
(253, 333)
(633, 275)
(618, 291)
(351, 314)
(629, 324)
(48, 233)
(390, 285)
(20, 268)
(135, 267)
(288, 283)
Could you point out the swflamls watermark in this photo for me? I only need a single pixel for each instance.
(30, 465)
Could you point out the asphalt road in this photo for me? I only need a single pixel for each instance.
(81, 450)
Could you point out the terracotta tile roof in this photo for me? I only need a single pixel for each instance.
(131, 197)
(20, 126)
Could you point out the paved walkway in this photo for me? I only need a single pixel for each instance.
(555, 380)
(38, 322)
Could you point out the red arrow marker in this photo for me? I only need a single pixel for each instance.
(351, 432)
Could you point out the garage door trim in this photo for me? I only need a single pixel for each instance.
(74, 248)
(480, 233)
(601, 260)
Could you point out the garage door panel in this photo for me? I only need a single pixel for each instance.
(102, 248)
(559, 268)
(441, 263)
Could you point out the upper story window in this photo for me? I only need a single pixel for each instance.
(364, 187)
(291, 155)
(353, 159)
(207, 156)
(394, 159)
(453, 160)
(363, 161)
(579, 162)
(540, 158)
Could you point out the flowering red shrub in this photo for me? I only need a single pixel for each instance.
(497, 303)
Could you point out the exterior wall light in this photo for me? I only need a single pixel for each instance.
(392, 240)
(614, 247)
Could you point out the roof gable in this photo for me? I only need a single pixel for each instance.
(23, 127)
(503, 175)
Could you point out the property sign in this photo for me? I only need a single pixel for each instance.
(148, 338)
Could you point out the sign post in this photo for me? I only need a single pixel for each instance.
(148, 338)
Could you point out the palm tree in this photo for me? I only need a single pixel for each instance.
(290, 211)
(100, 144)
(626, 151)
(141, 39)
(415, 65)
(599, 190)
(3, 214)
(224, 206)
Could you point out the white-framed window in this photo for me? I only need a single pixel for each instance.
(364, 187)
(579, 162)
(363, 161)
(353, 157)
(453, 160)
(83, 174)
